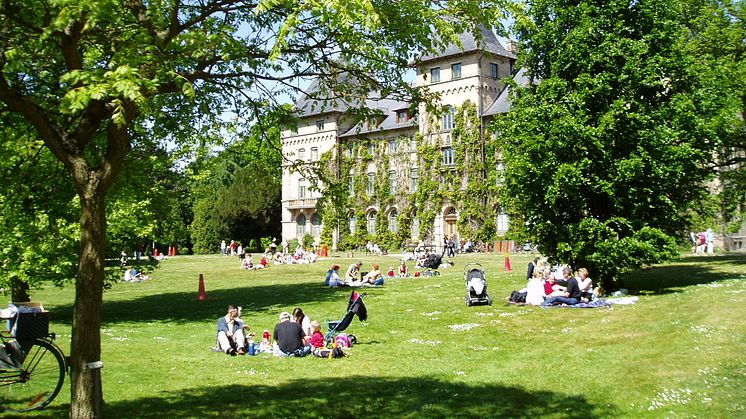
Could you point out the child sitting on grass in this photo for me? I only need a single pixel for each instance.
(317, 338)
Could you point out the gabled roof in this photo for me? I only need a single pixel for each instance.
(502, 102)
(389, 108)
(488, 43)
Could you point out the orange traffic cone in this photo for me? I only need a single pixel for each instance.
(507, 262)
(201, 295)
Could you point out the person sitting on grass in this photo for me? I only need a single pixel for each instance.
(403, 270)
(332, 277)
(585, 284)
(231, 339)
(353, 271)
(374, 277)
(289, 338)
(317, 339)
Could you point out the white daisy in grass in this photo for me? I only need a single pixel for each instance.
(424, 342)
(463, 327)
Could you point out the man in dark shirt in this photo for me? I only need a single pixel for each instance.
(531, 268)
(571, 296)
(289, 338)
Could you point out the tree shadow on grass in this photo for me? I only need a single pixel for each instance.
(183, 306)
(688, 271)
(359, 396)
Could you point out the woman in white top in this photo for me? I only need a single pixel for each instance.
(303, 321)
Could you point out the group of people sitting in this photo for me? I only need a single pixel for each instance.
(544, 289)
(132, 274)
(294, 335)
(248, 262)
(354, 278)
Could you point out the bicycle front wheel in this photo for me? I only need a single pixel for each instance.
(38, 382)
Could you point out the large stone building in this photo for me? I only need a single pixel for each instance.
(384, 160)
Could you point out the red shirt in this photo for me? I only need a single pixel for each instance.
(548, 287)
(317, 340)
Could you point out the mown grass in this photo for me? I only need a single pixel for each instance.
(678, 352)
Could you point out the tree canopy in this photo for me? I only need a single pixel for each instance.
(91, 78)
(610, 143)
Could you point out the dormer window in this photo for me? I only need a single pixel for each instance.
(401, 116)
(320, 125)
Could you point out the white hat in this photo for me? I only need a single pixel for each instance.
(284, 315)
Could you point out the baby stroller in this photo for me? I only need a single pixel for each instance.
(476, 285)
(355, 306)
(431, 264)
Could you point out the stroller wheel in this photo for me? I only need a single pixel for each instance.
(489, 300)
(468, 302)
(353, 339)
(436, 273)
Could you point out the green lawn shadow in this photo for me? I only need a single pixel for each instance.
(183, 306)
(689, 270)
(358, 396)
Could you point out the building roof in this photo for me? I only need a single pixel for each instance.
(488, 43)
(306, 105)
(502, 102)
(389, 109)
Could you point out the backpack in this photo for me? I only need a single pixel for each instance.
(517, 297)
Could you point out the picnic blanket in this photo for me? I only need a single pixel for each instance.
(592, 304)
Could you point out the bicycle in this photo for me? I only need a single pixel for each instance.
(32, 371)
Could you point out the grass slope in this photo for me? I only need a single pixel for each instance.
(678, 352)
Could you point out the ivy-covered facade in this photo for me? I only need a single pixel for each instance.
(401, 176)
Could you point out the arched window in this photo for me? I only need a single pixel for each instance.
(372, 222)
(315, 225)
(393, 222)
(300, 224)
(502, 220)
(448, 119)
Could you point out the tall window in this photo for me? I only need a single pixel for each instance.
(393, 145)
(372, 222)
(456, 71)
(349, 151)
(415, 227)
(353, 223)
(315, 224)
(414, 176)
(302, 154)
(448, 118)
(502, 220)
(493, 70)
(392, 181)
(393, 224)
(314, 154)
(300, 224)
(412, 144)
(435, 74)
(500, 173)
(371, 183)
(351, 185)
(302, 188)
(320, 125)
(448, 156)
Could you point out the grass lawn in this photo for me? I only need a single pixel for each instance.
(679, 352)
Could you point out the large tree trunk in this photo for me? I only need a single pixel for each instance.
(85, 349)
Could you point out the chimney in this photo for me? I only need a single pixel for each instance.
(512, 46)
